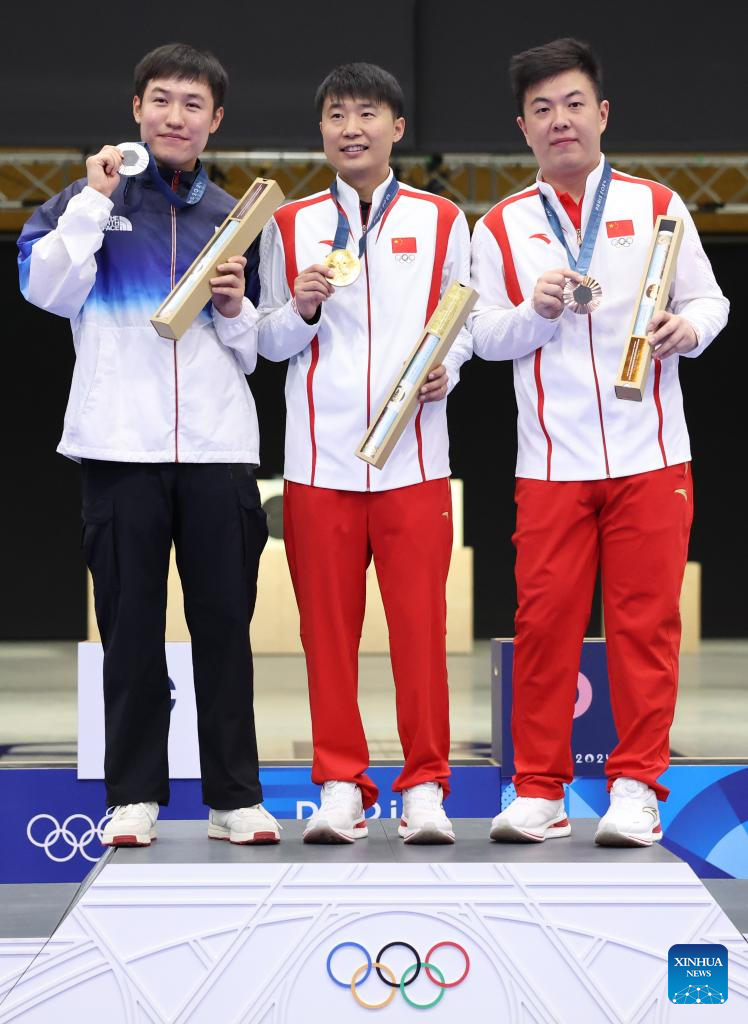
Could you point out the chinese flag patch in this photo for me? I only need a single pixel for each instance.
(619, 228)
(404, 245)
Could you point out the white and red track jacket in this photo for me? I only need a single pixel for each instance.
(570, 425)
(341, 367)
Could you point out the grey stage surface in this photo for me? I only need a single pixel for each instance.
(186, 842)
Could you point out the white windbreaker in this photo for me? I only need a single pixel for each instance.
(571, 425)
(108, 264)
(341, 367)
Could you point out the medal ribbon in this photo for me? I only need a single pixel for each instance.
(582, 263)
(195, 193)
(341, 233)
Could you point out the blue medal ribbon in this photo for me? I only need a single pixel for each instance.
(195, 194)
(342, 230)
(582, 263)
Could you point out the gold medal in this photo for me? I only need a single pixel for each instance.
(345, 265)
(583, 297)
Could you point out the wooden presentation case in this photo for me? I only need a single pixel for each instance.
(233, 238)
(632, 374)
(444, 324)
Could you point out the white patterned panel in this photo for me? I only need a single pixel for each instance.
(248, 944)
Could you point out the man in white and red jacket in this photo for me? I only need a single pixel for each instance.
(346, 346)
(601, 482)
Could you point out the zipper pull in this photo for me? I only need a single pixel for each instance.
(579, 236)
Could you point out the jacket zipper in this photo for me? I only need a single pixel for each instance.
(599, 400)
(368, 363)
(173, 275)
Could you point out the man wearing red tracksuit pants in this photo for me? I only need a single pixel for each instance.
(346, 344)
(601, 482)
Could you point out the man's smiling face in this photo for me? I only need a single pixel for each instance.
(358, 136)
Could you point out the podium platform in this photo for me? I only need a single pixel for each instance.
(191, 931)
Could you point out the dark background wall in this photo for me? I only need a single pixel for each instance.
(674, 80)
(67, 78)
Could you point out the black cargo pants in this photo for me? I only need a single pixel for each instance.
(211, 511)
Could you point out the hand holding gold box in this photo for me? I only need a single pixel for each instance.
(653, 298)
(431, 348)
(233, 238)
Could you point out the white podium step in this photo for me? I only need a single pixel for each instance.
(196, 932)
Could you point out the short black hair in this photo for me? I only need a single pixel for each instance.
(185, 63)
(361, 81)
(549, 60)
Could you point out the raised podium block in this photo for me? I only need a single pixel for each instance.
(195, 931)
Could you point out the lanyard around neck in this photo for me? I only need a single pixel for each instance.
(195, 194)
(582, 263)
(341, 233)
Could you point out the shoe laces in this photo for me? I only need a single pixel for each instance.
(425, 795)
(630, 791)
(259, 809)
(335, 793)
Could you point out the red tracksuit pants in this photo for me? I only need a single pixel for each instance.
(331, 537)
(636, 529)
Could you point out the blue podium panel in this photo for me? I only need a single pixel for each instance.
(593, 732)
(194, 932)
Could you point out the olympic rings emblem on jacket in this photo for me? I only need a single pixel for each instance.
(408, 977)
(63, 832)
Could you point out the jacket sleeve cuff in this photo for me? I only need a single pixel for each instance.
(230, 327)
(98, 204)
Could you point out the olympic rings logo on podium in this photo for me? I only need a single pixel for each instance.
(63, 833)
(408, 977)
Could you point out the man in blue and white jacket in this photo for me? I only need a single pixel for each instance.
(167, 436)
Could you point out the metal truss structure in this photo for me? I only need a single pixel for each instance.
(714, 186)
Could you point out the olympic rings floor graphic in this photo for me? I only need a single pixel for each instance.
(408, 977)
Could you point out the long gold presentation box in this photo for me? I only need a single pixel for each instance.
(430, 349)
(233, 238)
(653, 297)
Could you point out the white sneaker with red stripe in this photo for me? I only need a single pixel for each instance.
(531, 819)
(131, 825)
(247, 826)
(633, 818)
(340, 818)
(423, 819)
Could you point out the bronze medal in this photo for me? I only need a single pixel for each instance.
(583, 297)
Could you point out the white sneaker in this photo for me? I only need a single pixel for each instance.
(244, 825)
(531, 819)
(131, 825)
(340, 818)
(423, 819)
(633, 818)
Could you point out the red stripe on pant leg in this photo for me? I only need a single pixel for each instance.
(411, 537)
(328, 552)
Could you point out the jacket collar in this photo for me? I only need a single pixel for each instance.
(351, 203)
(590, 188)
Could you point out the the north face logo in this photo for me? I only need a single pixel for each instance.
(118, 224)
